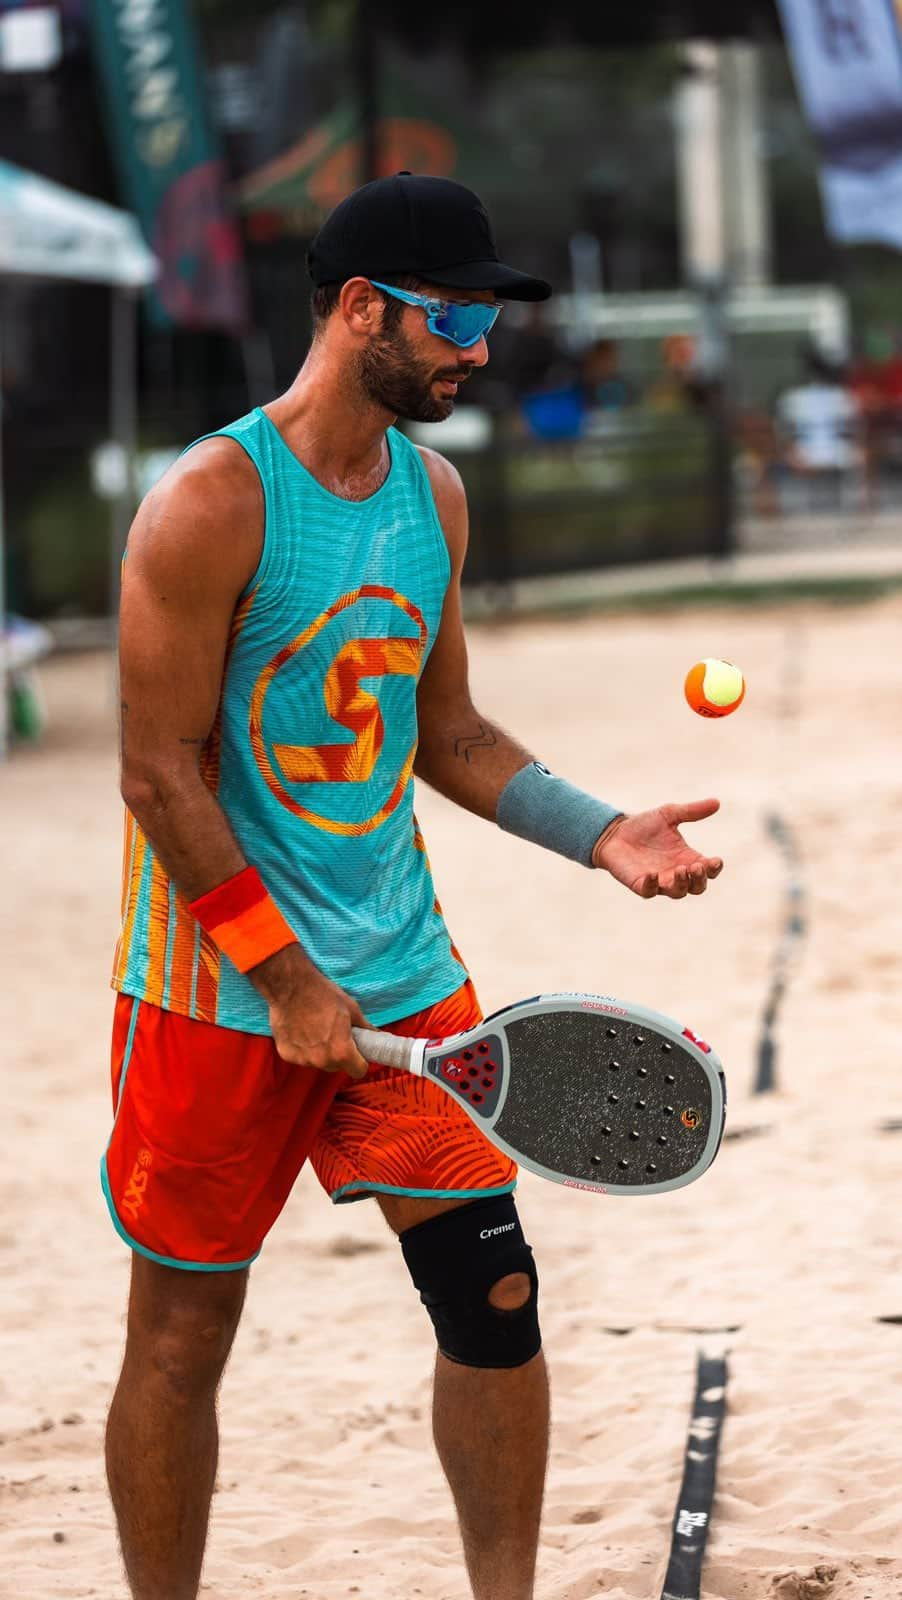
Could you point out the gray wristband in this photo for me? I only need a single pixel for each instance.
(549, 811)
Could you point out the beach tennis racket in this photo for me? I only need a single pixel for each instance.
(579, 1088)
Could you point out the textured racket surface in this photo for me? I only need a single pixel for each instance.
(621, 1100)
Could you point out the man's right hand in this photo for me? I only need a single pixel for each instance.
(311, 1017)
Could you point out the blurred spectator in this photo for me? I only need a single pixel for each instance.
(675, 390)
(876, 385)
(759, 454)
(544, 380)
(604, 387)
(536, 359)
(819, 427)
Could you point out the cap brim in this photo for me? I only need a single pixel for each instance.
(506, 281)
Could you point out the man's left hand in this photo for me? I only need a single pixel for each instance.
(648, 854)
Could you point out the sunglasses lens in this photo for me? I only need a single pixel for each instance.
(464, 325)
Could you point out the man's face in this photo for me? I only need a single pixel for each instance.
(414, 373)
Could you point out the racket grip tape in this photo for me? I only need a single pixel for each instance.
(388, 1049)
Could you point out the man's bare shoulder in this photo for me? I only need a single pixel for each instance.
(443, 475)
(208, 508)
(450, 501)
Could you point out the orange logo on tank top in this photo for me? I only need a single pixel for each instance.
(348, 704)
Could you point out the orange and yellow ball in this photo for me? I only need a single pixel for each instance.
(714, 688)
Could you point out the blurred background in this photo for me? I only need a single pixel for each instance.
(718, 375)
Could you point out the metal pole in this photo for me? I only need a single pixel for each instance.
(746, 199)
(367, 73)
(700, 119)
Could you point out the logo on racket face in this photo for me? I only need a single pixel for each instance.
(690, 1118)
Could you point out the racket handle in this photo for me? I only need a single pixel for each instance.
(388, 1049)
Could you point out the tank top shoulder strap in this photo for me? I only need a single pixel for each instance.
(407, 463)
(251, 431)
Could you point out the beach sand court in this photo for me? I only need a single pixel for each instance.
(328, 1485)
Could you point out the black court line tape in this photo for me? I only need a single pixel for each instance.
(682, 1580)
(746, 1133)
(793, 930)
(676, 1327)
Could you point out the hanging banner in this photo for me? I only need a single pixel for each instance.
(164, 147)
(847, 56)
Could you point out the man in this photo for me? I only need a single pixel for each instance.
(291, 650)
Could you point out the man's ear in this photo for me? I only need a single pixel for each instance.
(361, 306)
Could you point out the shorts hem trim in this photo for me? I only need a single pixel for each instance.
(361, 1188)
(163, 1261)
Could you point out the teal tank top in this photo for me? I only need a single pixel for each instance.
(312, 751)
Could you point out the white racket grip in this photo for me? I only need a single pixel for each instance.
(391, 1050)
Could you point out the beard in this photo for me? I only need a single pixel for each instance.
(393, 377)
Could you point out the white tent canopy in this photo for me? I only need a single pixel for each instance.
(47, 231)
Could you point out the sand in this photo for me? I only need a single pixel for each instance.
(328, 1484)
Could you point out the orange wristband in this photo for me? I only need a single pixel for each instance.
(243, 919)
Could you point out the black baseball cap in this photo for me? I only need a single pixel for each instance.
(431, 227)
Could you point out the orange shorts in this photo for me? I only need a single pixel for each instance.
(212, 1128)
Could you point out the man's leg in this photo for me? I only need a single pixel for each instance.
(162, 1438)
(491, 1433)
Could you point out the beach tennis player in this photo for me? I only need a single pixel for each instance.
(292, 653)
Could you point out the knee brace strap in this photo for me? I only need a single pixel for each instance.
(454, 1260)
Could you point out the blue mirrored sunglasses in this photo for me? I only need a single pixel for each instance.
(463, 322)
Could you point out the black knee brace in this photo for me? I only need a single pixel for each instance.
(454, 1260)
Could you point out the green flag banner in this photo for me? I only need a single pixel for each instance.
(163, 143)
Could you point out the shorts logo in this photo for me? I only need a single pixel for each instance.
(133, 1199)
(489, 1233)
(349, 705)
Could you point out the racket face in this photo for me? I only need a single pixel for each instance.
(589, 1092)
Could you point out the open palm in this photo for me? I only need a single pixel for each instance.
(648, 854)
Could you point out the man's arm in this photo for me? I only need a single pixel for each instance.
(471, 760)
(193, 548)
(194, 544)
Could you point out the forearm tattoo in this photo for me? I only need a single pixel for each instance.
(483, 740)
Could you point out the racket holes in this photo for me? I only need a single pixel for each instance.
(634, 1133)
(666, 1049)
(613, 1066)
(611, 1033)
(641, 1104)
(639, 1039)
(668, 1111)
(467, 1055)
(651, 1167)
(487, 1083)
(483, 1049)
(623, 1162)
(670, 1078)
(595, 1160)
(477, 1099)
(662, 1138)
(612, 1099)
(641, 1072)
(605, 1132)
(472, 1072)
(489, 1066)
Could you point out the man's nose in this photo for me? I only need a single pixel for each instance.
(477, 355)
